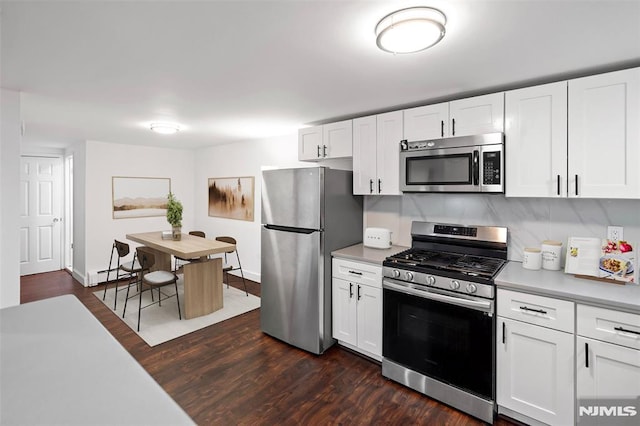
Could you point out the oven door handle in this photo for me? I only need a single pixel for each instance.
(485, 306)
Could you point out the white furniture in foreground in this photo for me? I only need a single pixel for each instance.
(59, 365)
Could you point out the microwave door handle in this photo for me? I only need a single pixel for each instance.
(476, 167)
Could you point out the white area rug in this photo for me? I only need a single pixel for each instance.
(159, 324)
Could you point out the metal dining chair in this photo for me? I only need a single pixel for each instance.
(153, 280)
(227, 266)
(128, 269)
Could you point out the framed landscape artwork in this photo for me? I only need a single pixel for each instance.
(139, 196)
(231, 197)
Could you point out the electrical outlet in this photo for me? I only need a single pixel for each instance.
(614, 233)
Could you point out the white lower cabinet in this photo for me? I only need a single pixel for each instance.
(606, 372)
(535, 372)
(535, 363)
(607, 358)
(357, 306)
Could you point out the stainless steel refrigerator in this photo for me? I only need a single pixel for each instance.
(306, 214)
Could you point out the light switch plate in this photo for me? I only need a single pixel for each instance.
(615, 233)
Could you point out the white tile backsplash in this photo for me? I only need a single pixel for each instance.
(529, 220)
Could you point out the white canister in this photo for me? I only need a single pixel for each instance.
(531, 258)
(551, 255)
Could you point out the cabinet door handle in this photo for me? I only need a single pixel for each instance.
(576, 184)
(355, 273)
(453, 127)
(586, 354)
(370, 186)
(504, 332)
(442, 128)
(379, 186)
(350, 290)
(324, 150)
(540, 311)
(318, 151)
(558, 184)
(358, 292)
(626, 331)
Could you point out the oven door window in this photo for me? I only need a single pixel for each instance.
(449, 169)
(449, 343)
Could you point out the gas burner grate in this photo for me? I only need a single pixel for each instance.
(455, 262)
(477, 265)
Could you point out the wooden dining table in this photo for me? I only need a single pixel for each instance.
(202, 278)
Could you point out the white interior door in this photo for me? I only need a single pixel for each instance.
(41, 183)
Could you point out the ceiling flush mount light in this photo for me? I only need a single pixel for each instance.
(164, 128)
(410, 30)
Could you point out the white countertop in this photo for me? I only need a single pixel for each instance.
(59, 365)
(361, 253)
(566, 286)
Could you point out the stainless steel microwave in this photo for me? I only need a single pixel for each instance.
(458, 164)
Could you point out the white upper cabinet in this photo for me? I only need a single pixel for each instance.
(337, 139)
(477, 115)
(390, 133)
(604, 135)
(536, 141)
(310, 143)
(331, 140)
(364, 155)
(376, 147)
(426, 122)
(471, 116)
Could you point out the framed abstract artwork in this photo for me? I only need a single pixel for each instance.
(232, 197)
(139, 196)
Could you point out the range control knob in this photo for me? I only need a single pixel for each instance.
(431, 280)
(454, 285)
(471, 288)
(409, 276)
(396, 273)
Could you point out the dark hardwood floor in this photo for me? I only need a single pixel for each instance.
(231, 373)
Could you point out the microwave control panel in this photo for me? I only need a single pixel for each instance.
(491, 174)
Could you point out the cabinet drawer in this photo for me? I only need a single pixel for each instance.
(357, 272)
(538, 310)
(620, 328)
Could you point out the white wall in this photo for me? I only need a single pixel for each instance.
(102, 162)
(9, 198)
(241, 159)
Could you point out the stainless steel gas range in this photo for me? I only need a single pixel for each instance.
(438, 314)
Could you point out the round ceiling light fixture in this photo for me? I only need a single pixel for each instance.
(410, 30)
(164, 128)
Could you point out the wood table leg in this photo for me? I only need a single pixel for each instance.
(202, 287)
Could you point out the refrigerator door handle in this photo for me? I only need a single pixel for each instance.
(290, 229)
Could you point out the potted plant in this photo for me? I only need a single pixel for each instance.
(174, 215)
